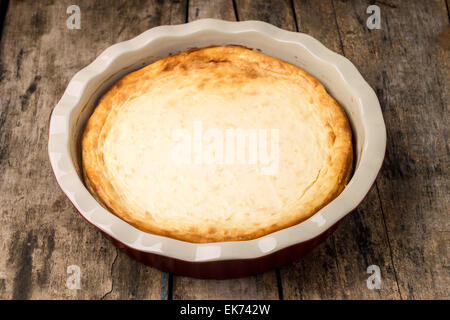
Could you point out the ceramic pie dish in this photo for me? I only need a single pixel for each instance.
(213, 258)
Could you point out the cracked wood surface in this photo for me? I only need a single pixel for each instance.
(41, 232)
(402, 225)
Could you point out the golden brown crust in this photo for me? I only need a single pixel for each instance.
(230, 68)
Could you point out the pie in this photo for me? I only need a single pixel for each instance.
(216, 144)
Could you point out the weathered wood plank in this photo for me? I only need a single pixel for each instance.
(409, 71)
(338, 268)
(278, 13)
(201, 9)
(254, 288)
(41, 233)
(257, 287)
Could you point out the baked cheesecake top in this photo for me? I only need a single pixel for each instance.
(216, 144)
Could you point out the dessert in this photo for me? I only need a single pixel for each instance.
(217, 144)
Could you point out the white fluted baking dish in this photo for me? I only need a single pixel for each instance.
(339, 76)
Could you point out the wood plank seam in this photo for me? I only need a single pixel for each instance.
(3, 9)
(294, 15)
(186, 16)
(165, 286)
(448, 10)
(236, 14)
(388, 240)
(170, 286)
(279, 284)
(341, 45)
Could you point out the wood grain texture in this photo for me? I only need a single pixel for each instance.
(254, 288)
(279, 13)
(218, 9)
(409, 70)
(402, 226)
(338, 268)
(42, 234)
(257, 287)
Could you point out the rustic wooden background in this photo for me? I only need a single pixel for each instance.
(402, 226)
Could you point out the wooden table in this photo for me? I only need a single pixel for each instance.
(402, 226)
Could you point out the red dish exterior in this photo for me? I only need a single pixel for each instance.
(225, 269)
